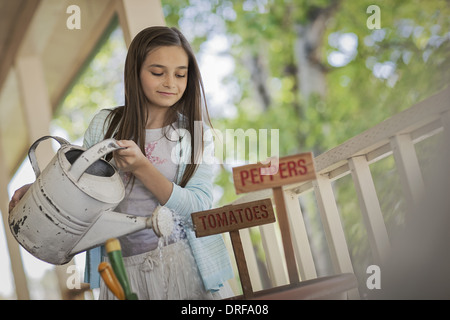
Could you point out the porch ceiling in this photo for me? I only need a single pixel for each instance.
(38, 28)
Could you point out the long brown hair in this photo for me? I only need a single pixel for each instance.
(129, 121)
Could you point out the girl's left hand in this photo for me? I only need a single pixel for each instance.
(129, 159)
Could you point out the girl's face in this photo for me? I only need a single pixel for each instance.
(164, 75)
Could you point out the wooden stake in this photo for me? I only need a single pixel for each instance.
(241, 264)
(285, 234)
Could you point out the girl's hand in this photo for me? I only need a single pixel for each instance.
(18, 195)
(131, 158)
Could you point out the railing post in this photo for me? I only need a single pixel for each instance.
(370, 207)
(334, 232)
(408, 168)
(250, 256)
(331, 222)
(300, 239)
(276, 265)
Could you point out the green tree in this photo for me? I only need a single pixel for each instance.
(315, 70)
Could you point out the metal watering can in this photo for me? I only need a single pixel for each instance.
(69, 208)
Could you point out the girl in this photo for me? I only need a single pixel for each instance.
(160, 165)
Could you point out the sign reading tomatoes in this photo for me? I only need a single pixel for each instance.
(233, 217)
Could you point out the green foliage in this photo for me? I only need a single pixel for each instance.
(382, 73)
(412, 40)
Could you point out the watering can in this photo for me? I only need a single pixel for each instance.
(69, 208)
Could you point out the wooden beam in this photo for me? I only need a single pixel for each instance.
(20, 279)
(85, 51)
(36, 103)
(135, 15)
(36, 106)
(18, 33)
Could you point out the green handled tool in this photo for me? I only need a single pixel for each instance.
(115, 258)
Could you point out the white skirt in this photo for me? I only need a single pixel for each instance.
(166, 273)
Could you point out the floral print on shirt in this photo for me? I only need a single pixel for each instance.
(149, 148)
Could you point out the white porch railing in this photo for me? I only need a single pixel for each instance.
(395, 136)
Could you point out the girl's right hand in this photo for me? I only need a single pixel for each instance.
(18, 194)
(130, 158)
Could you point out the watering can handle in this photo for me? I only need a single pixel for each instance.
(32, 152)
(94, 153)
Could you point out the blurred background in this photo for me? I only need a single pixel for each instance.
(320, 71)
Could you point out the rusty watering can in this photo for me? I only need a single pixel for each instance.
(69, 208)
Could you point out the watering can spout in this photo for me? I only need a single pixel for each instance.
(110, 224)
(113, 224)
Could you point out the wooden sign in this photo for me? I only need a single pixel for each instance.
(279, 172)
(230, 219)
(233, 217)
(274, 175)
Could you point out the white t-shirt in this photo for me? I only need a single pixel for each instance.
(141, 202)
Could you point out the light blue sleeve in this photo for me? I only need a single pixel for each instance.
(197, 194)
(96, 129)
(210, 252)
